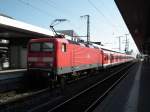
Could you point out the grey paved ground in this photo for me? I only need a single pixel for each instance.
(132, 94)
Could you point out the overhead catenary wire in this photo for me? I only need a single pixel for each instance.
(36, 8)
(103, 15)
(48, 3)
(103, 4)
(27, 3)
(106, 7)
(51, 1)
(41, 10)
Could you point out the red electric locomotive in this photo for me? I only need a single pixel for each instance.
(58, 57)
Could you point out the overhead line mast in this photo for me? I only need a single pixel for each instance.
(119, 37)
(126, 44)
(88, 27)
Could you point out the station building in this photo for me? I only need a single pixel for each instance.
(14, 36)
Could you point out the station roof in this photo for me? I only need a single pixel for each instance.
(11, 29)
(137, 18)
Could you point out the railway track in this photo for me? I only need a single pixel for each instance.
(43, 100)
(74, 100)
(87, 100)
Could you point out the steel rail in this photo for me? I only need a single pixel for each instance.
(86, 90)
(96, 102)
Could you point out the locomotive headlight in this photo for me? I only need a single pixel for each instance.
(29, 64)
(49, 61)
(50, 64)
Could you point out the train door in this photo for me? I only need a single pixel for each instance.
(111, 58)
(72, 56)
(102, 53)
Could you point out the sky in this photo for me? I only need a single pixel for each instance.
(106, 23)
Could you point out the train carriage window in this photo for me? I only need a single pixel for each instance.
(112, 57)
(105, 57)
(64, 47)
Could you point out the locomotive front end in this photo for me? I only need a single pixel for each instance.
(41, 56)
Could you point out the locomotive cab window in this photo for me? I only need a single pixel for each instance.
(35, 47)
(41, 46)
(48, 46)
(63, 47)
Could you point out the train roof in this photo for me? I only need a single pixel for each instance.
(103, 48)
(84, 44)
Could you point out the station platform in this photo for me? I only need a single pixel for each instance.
(12, 70)
(132, 94)
(11, 74)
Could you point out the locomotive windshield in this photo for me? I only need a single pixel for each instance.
(41, 47)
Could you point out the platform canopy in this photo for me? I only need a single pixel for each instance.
(12, 29)
(137, 18)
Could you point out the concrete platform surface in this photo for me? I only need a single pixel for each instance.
(12, 70)
(132, 94)
(11, 74)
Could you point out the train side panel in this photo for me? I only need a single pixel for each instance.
(63, 57)
(59, 56)
(86, 58)
(77, 58)
(107, 58)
